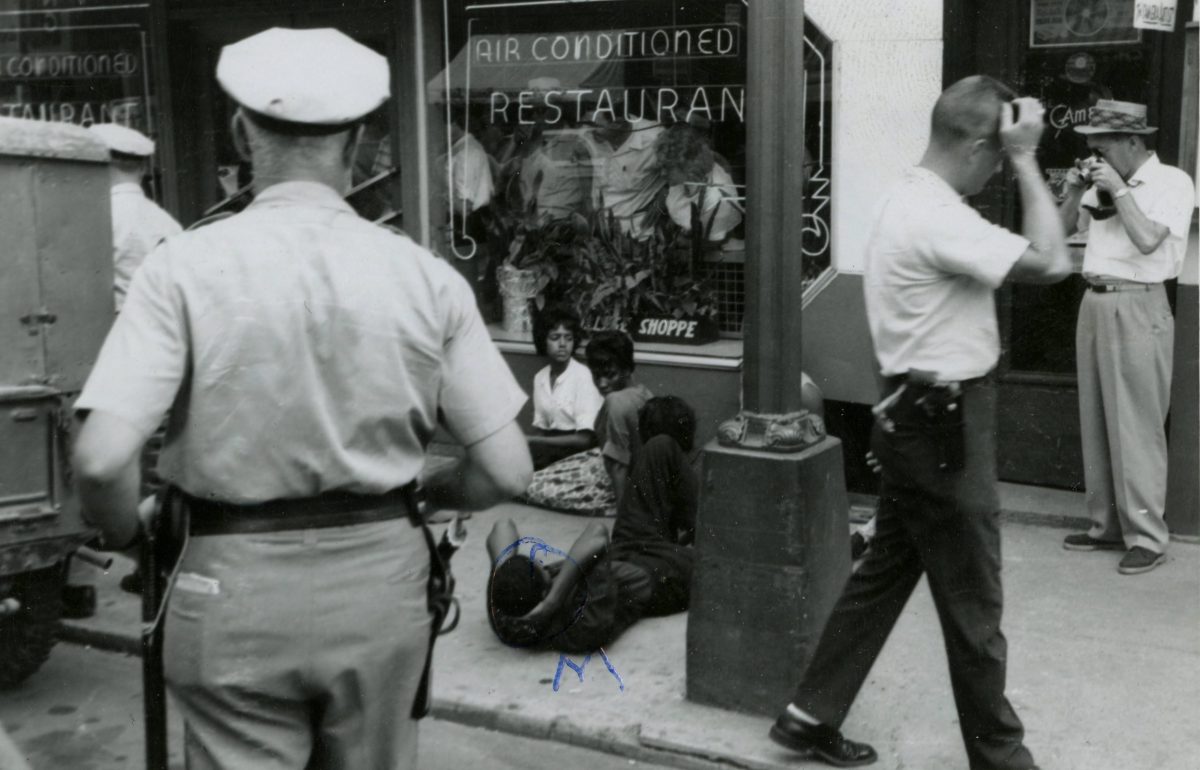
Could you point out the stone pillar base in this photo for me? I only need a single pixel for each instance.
(772, 556)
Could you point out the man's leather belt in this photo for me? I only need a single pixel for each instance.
(332, 509)
(1104, 288)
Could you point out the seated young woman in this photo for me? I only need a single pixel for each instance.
(565, 401)
(605, 584)
(592, 482)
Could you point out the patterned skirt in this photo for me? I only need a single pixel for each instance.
(577, 484)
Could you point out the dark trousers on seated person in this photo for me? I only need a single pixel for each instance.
(945, 525)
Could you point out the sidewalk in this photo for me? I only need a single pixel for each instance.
(1103, 668)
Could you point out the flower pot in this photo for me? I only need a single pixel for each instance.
(517, 288)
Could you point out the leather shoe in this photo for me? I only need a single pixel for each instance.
(1138, 560)
(820, 742)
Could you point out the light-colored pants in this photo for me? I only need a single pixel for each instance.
(1124, 351)
(300, 649)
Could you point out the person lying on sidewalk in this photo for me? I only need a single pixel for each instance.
(605, 584)
(593, 482)
(565, 400)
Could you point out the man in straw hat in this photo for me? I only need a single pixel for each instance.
(1125, 333)
(933, 265)
(306, 357)
(138, 223)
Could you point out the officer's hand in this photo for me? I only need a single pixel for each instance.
(873, 463)
(1021, 135)
(1105, 177)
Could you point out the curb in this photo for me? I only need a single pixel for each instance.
(626, 743)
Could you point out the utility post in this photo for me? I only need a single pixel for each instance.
(772, 536)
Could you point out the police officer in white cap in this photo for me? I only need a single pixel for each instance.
(306, 357)
(138, 223)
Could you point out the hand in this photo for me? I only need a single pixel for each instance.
(1021, 136)
(539, 614)
(873, 463)
(1075, 179)
(1105, 177)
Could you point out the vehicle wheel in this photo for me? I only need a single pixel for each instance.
(27, 636)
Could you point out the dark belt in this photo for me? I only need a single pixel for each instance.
(1105, 288)
(332, 509)
(893, 381)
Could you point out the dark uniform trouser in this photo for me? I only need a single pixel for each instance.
(300, 649)
(947, 526)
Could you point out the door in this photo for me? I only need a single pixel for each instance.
(1068, 53)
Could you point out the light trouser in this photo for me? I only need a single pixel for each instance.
(300, 649)
(1124, 351)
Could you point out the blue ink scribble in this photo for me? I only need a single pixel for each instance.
(566, 662)
(538, 546)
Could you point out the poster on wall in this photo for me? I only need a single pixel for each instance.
(1158, 15)
(1075, 23)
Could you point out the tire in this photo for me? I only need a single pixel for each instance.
(27, 636)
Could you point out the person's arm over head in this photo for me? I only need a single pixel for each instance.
(1047, 259)
(591, 544)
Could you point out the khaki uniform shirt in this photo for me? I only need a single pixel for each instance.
(138, 225)
(299, 349)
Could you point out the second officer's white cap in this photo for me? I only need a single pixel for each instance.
(316, 77)
(122, 140)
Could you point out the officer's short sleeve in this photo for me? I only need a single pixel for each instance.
(479, 394)
(961, 242)
(144, 357)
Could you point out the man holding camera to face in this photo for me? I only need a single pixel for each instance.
(1136, 212)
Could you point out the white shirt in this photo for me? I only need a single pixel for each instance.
(138, 225)
(628, 177)
(932, 265)
(1165, 195)
(299, 349)
(472, 175)
(716, 193)
(571, 404)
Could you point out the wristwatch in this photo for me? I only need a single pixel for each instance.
(1121, 193)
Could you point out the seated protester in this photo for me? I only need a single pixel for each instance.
(604, 585)
(592, 482)
(565, 401)
(701, 193)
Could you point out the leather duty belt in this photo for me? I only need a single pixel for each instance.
(331, 509)
(1105, 288)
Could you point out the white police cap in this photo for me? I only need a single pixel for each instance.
(125, 141)
(318, 77)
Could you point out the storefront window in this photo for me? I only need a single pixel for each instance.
(818, 144)
(596, 157)
(82, 62)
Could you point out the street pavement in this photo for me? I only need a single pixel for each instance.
(84, 712)
(1103, 668)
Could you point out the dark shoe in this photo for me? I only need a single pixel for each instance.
(820, 742)
(132, 583)
(1082, 541)
(858, 546)
(1137, 560)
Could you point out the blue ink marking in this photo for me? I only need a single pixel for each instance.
(536, 546)
(563, 660)
(612, 669)
(566, 662)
